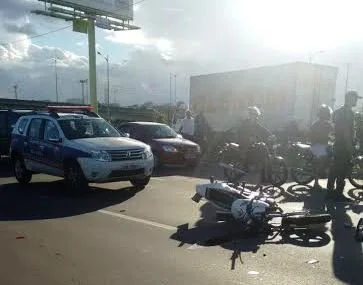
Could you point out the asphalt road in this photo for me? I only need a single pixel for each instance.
(116, 235)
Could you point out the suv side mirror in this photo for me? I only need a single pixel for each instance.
(126, 135)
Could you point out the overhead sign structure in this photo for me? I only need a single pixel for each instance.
(86, 14)
(118, 9)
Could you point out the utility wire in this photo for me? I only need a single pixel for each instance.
(36, 36)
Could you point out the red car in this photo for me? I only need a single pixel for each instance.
(167, 146)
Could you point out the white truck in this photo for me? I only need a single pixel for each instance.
(291, 91)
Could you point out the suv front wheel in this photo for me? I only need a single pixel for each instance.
(74, 178)
(140, 182)
(22, 174)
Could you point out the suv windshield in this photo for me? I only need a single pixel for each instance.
(160, 132)
(79, 128)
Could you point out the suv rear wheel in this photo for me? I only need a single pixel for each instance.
(140, 182)
(74, 178)
(22, 174)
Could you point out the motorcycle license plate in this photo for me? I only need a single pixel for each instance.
(196, 198)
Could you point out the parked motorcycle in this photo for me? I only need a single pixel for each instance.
(254, 210)
(272, 166)
(307, 166)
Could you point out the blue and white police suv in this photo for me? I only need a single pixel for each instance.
(77, 144)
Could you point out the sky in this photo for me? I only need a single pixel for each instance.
(182, 37)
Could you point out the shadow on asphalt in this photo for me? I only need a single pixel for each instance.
(230, 235)
(347, 254)
(204, 170)
(49, 200)
(5, 168)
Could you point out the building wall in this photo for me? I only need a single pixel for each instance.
(277, 90)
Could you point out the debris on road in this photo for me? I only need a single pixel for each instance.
(312, 261)
(253, 272)
(20, 237)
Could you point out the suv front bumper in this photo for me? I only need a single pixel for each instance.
(101, 172)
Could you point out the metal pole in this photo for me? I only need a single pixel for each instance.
(92, 64)
(16, 91)
(175, 89)
(108, 88)
(170, 100)
(347, 79)
(82, 86)
(56, 80)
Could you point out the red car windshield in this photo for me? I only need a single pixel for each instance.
(159, 132)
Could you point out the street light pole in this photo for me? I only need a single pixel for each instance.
(347, 79)
(83, 82)
(16, 91)
(170, 100)
(107, 58)
(56, 80)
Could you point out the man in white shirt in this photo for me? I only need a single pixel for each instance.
(187, 128)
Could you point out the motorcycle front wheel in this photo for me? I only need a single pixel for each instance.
(356, 174)
(278, 172)
(303, 174)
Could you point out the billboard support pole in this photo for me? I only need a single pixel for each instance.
(92, 63)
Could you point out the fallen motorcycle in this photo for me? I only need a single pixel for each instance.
(254, 210)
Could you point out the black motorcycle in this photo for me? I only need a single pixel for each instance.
(307, 167)
(264, 158)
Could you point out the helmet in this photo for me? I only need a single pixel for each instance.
(254, 112)
(325, 112)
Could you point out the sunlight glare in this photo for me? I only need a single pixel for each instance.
(293, 25)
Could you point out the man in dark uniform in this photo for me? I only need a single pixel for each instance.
(343, 119)
(249, 133)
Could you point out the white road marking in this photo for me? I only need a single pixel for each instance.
(142, 221)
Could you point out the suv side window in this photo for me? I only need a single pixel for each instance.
(35, 128)
(50, 131)
(22, 125)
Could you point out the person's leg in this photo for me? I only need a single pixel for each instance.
(343, 170)
(332, 175)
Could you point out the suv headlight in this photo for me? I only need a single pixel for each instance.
(169, 148)
(101, 155)
(147, 153)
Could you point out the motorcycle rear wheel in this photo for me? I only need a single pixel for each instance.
(356, 174)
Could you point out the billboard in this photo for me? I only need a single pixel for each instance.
(119, 9)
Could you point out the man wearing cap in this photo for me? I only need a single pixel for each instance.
(343, 119)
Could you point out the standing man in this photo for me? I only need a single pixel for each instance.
(187, 128)
(343, 120)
